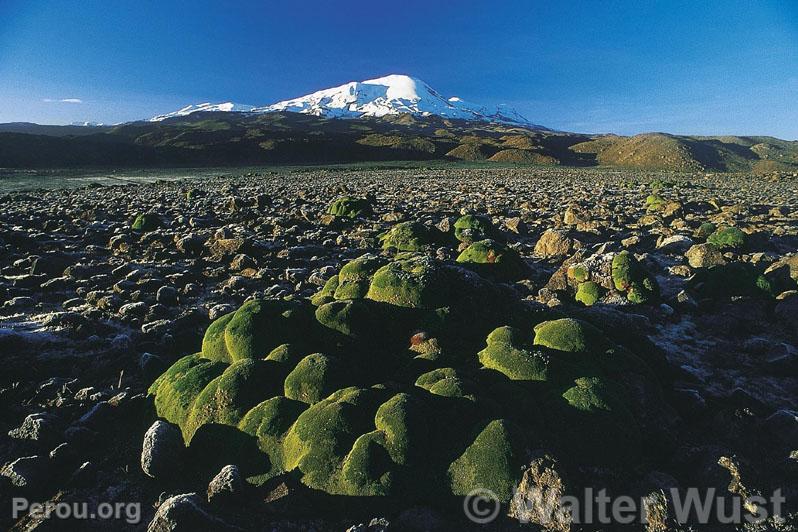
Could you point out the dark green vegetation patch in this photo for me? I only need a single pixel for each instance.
(146, 222)
(410, 377)
(347, 207)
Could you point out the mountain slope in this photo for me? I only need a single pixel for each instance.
(660, 151)
(226, 107)
(53, 131)
(394, 94)
(244, 138)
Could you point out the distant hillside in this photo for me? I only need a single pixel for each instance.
(223, 138)
(661, 151)
(53, 131)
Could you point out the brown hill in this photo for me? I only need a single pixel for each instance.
(660, 151)
(514, 155)
(470, 151)
(220, 139)
(654, 151)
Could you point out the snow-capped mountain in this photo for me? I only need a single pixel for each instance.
(87, 124)
(187, 110)
(390, 95)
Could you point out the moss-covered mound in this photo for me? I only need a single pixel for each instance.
(629, 276)
(616, 278)
(471, 228)
(655, 202)
(733, 279)
(728, 238)
(411, 378)
(411, 236)
(348, 207)
(146, 222)
(588, 293)
(493, 259)
(705, 229)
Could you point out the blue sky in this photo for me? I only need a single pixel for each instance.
(722, 67)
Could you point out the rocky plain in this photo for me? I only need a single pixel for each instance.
(94, 310)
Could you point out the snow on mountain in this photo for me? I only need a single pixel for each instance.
(389, 95)
(187, 110)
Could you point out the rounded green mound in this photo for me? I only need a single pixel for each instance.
(348, 207)
(629, 276)
(355, 277)
(568, 334)
(728, 238)
(733, 279)
(256, 328)
(491, 462)
(472, 228)
(705, 229)
(655, 202)
(493, 259)
(588, 293)
(416, 282)
(371, 300)
(394, 390)
(411, 236)
(611, 278)
(509, 351)
(578, 272)
(146, 222)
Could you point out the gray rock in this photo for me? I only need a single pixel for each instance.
(137, 309)
(553, 243)
(26, 472)
(786, 312)
(217, 311)
(157, 327)
(226, 486)
(783, 425)
(377, 524)
(19, 302)
(162, 450)
(37, 427)
(63, 453)
(242, 262)
(185, 512)
(704, 256)
(675, 244)
(537, 498)
(151, 365)
(85, 393)
(166, 295)
(84, 476)
(79, 436)
(516, 225)
(96, 416)
(189, 245)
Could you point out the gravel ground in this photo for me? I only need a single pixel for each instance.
(92, 311)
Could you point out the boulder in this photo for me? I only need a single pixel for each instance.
(538, 497)
(41, 427)
(704, 256)
(162, 451)
(553, 244)
(186, 513)
(28, 472)
(226, 486)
